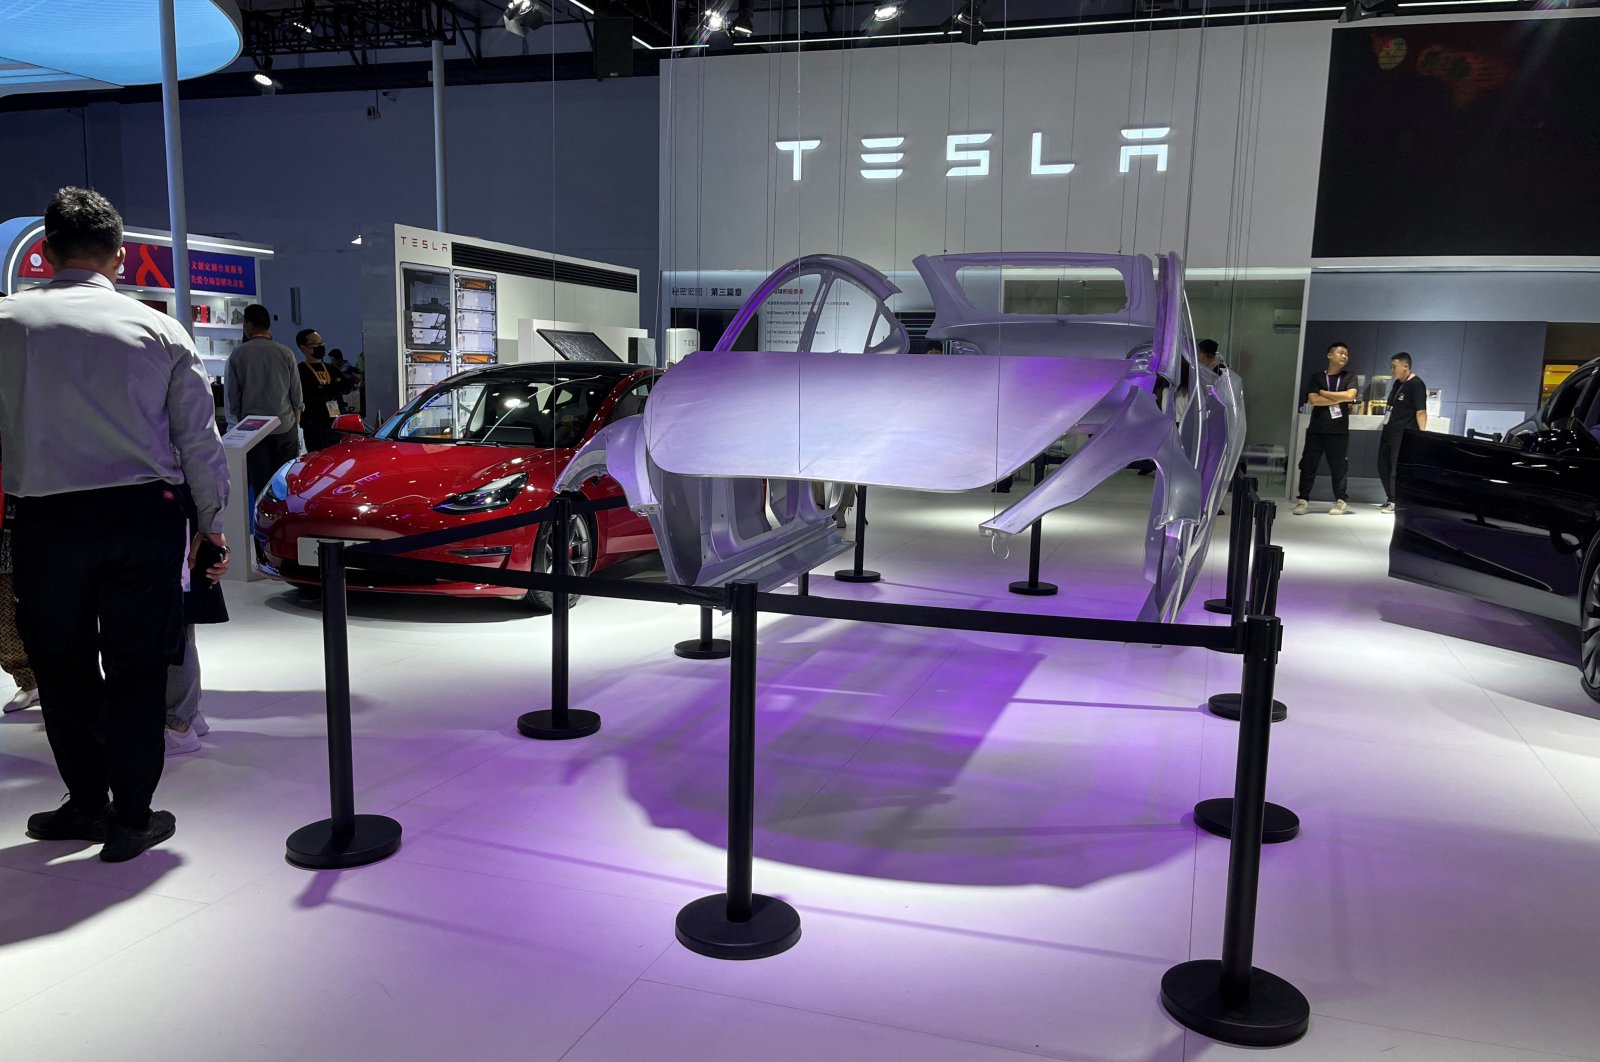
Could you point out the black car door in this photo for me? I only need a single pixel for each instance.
(1507, 522)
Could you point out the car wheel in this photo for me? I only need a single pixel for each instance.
(581, 553)
(1589, 625)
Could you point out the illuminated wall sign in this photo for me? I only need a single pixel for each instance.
(1158, 150)
(957, 150)
(883, 155)
(799, 147)
(877, 160)
(149, 265)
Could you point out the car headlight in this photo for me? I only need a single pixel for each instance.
(496, 495)
(278, 485)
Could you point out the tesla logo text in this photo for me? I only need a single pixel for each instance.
(969, 154)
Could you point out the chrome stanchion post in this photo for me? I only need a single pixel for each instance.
(740, 923)
(1230, 999)
(344, 839)
(559, 722)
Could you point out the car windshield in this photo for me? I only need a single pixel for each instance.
(504, 411)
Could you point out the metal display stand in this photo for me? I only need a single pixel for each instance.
(344, 839)
(858, 574)
(704, 647)
(1032, 587)
(740, 923)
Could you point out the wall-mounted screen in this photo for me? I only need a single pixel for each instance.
(578, 346)
(1465, 139)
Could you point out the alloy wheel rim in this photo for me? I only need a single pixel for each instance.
(579, 549)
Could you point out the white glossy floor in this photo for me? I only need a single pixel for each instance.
(986, 836)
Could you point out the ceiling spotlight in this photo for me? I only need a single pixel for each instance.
(522, 17)
(263, 75)
(357, 241)
(967, 22)
(716, 21)
(743, 25)
(1356, 10)
(882, 18)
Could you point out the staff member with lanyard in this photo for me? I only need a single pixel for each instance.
(1327, 396)
(1407, 411)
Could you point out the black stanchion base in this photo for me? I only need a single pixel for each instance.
(1271, 1014)
(1219, 605)
(703, 927)
(1216, 816)
(850, 575)
(1226, 706)
(1027, 589)
(315, 847)
(695, 649)
(541, 725)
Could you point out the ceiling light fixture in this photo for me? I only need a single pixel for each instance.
(522, 17)
(883, 18)
(716, 21)
(263, 75)
(743, 24)
(967, 23)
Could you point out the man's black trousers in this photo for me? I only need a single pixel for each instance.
(1389, 459)
(1334, 444)
(100, 610)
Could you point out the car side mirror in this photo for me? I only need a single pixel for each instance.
(350, 424)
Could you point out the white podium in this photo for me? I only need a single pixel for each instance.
(236, 522)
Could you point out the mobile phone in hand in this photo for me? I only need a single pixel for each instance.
(208, 556)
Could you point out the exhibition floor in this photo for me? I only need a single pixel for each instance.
(986, 837)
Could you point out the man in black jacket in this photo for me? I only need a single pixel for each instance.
(1328, 394)
(1407, 411)
(322, 388)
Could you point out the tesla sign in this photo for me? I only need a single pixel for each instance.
(968, 154)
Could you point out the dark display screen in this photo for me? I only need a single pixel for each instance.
(578, 346)
(1478, 138)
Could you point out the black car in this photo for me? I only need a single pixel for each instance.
(1516, 521)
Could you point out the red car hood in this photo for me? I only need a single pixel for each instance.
(399, 475)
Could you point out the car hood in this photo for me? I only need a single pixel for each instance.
(380, 474)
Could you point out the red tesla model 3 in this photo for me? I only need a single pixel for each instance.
(481, 445)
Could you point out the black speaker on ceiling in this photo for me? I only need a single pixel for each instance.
(613, 46)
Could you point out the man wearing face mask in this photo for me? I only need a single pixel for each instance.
(321, 387)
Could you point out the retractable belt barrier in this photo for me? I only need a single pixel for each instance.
(1228, 999)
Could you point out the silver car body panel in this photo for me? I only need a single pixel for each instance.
(735, 458)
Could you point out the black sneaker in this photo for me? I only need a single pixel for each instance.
(125, 842)
(68, 823)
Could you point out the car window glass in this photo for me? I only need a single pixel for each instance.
(444, 416)
(633, 399)
(844, 319)
(1571, 397)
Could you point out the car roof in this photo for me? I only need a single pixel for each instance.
(546, 370)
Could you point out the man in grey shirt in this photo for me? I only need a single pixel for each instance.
(106, 414)
(264, 381)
